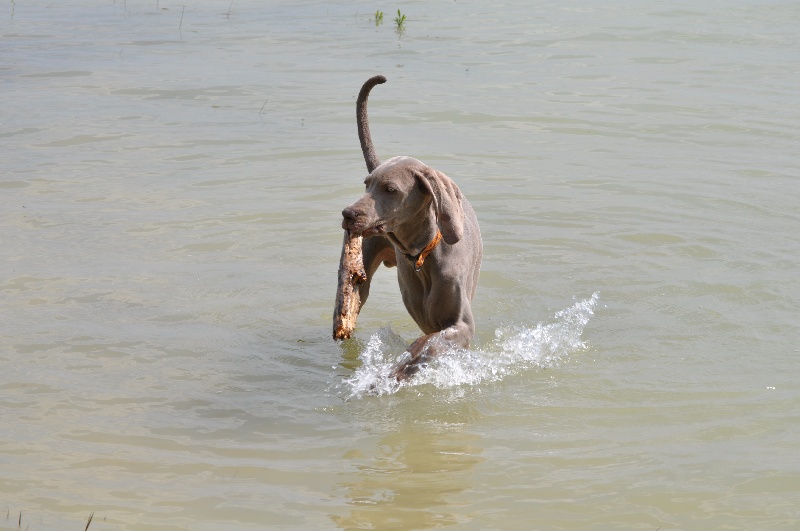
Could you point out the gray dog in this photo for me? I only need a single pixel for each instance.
(414, 217)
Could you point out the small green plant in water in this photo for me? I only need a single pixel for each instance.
(399, 20)
(378, 17)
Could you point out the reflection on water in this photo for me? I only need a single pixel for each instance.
(410, 479)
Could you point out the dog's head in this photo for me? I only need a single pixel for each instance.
(399, 196)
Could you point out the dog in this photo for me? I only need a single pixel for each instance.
(416, 218)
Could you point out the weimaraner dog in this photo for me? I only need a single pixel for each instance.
(416, 218)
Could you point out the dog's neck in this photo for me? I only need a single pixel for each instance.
(419, 259)
(417, 246)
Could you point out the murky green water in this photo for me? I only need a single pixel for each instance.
(170, 197)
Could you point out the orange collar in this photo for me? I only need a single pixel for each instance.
(420, 258)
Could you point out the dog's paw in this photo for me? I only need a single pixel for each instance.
(407, 366)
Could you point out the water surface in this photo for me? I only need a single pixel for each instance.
(169, 210)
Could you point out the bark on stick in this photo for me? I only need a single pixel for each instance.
(348, 298)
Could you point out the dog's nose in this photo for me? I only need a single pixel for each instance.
(349, 218)
(349, 214)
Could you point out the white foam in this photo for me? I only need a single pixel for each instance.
(514, 349)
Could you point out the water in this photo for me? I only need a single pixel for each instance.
(170, 193)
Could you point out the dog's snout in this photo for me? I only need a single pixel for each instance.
(351, 218)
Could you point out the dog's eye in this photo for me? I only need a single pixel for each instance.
(391, 189)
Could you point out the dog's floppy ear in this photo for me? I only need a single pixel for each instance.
(447, 203)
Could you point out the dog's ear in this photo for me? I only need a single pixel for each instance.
(447, 203)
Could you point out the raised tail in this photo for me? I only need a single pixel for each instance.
(363, 123)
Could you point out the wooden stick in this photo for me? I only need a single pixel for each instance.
(348, 298)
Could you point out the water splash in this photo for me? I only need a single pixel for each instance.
(514, 349)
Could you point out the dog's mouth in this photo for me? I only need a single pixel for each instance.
(359, 229)
(380, 228)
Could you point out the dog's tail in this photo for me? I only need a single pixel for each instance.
(362, 120)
